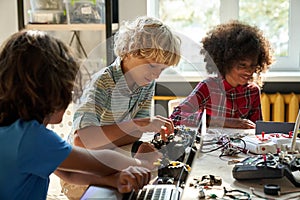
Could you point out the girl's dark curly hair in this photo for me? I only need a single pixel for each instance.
(37, 77)
(230, 42)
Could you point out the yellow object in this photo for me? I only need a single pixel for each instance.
(280, 107)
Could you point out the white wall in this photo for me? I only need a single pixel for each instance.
(8, 18)
(128, 10)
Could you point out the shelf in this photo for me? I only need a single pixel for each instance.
(70, 27)
(109, 28)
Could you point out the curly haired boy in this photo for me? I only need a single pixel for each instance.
(37, 82)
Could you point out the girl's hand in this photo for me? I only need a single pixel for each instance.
(239, 123)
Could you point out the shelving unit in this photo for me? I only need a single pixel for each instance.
(70, 27)
(108, 27)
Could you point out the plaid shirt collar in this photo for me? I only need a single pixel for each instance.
(229, 88)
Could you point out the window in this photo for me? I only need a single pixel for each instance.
(277, 18)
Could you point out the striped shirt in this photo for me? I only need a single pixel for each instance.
(108, 100)
(220, 99)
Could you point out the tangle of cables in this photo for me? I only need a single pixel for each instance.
(229, 145)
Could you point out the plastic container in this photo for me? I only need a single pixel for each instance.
(85, 11)
(46, 5)
(47, 17)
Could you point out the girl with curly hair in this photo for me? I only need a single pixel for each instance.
(235, 54)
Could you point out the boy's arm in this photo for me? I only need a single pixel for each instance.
(124, 133)
(124, 181)
(104, 162)
(80, 178)
(107, 136)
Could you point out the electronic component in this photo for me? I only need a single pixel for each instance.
(268, 166)
(178, 153)
(270, 143)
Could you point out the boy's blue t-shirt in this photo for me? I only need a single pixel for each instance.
(29, 153)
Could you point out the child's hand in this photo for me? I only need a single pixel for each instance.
(157, 124)
(246, 123)
(148, 155)
(239, 123)
(131, 178)
(231, 123)
(167, 127)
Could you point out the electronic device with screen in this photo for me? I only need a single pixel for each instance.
(273, 127)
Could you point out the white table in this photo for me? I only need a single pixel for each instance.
(212, 164)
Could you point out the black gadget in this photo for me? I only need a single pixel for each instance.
(268, 166)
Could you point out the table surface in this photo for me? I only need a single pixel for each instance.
(212, 164)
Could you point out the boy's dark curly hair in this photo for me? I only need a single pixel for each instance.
(230, 42)
(37, 76)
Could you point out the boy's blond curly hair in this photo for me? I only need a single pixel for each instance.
(149, 38)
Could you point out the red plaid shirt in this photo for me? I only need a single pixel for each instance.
(220, 99)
